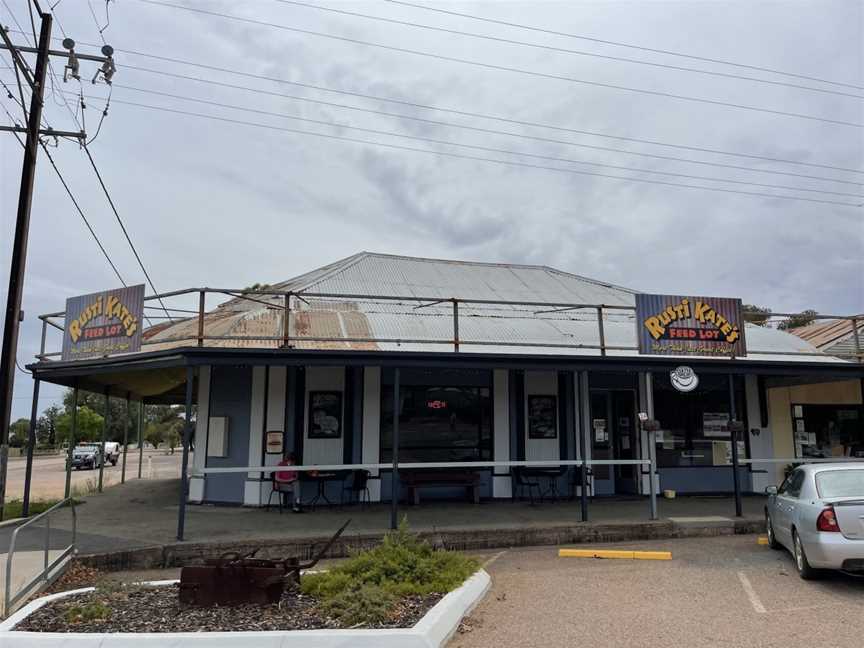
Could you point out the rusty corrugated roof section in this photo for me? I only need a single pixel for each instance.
(834, 337)
(370, 324)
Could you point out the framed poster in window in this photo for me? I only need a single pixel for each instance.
(542, 417)
(325, 414)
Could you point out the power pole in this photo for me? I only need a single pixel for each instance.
(13, 314)
(19, 247)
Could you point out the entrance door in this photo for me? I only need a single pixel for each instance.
(613, 436)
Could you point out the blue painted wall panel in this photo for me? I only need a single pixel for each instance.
(230, 396)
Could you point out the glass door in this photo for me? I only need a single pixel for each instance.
(614, 436)
(602, 445)
(626, 440)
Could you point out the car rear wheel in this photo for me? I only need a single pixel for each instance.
(769, 529)
(805, 571)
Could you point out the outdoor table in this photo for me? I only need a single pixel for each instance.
(551, 475)
(321, 479)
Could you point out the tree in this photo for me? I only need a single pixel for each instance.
(797, 321)
(46, 426)
(154, 434)
(88, 426)
(119, 417)
(18, 433)
(758, 315)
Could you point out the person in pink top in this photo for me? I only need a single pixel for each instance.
(289, 481)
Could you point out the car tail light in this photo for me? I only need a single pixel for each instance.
(827, 521)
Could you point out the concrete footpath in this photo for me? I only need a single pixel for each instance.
(134, 526)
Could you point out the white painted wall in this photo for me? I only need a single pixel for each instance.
(252, 487)
(501, 486)
(196, 484)
(372, 425)
(761, 444)
(541, 383)
(323, 451)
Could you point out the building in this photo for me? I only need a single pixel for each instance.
(490, 364)
(836, 337)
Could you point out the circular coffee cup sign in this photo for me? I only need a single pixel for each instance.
(684, 379)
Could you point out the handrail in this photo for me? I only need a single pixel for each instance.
(10, 600)
(286, 340)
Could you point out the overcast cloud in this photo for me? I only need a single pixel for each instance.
(220, 204)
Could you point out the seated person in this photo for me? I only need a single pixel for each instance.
(289, 481)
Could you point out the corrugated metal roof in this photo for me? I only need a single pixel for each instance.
(834, 336)
(384, 324)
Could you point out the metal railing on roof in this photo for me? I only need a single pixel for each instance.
(470, 308)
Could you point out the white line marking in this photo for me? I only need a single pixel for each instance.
(751, 594)
(489, 561)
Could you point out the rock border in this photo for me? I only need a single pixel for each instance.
(432, 631)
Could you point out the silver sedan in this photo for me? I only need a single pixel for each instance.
(817, 513)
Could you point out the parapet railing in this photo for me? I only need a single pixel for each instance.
(289, 302)
(48, 566)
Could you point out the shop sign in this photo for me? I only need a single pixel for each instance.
(676, 325)
(103, 323)
(684, 379)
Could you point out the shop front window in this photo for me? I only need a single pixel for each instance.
(694, 426)
(826, 431)
(438, 424)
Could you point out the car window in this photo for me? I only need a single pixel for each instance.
(796, 482)
(785, 485)
(840, 483)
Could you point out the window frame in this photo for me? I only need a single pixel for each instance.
(389, 397)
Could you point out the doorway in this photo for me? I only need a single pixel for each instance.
(614, 436)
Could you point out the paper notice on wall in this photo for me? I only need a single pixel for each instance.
(802, 437)
(798, 411)
(719, 453)
(811, 439)
(799, 425)
(600, 433)
(715, 424)
(625, 442)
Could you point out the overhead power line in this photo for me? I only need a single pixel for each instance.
(510, 163)
(498, 118)
(504, 68)
(510, 41)
(621, 44)
(490, 130)
(74, 202)
(486, 149)
(123, 227)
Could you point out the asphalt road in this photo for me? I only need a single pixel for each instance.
(725, 591)
(49, 473)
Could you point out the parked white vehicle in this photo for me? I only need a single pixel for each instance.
(112, 452)
(817, 513)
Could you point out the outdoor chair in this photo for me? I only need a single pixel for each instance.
(357, 488)
(283, 488)
(523, 482)
(576, 480)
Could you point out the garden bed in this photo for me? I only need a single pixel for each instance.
(401, 594)
(157, 609)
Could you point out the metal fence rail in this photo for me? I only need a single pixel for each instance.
(457, 309)
(11, 599)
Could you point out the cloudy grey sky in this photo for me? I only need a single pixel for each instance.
(223, 204)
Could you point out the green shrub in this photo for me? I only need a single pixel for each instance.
(365, 587)
(92, 611)
(369, 605)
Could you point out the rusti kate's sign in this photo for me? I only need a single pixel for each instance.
(103, 323)
(702, 326)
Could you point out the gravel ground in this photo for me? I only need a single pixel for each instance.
(157, 609)
(726, 592)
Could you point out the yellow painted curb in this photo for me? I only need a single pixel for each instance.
(614, 553)
(762, 540)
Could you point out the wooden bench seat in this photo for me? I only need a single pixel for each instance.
(417, 479)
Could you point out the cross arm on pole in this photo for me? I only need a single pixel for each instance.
(46, 131)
